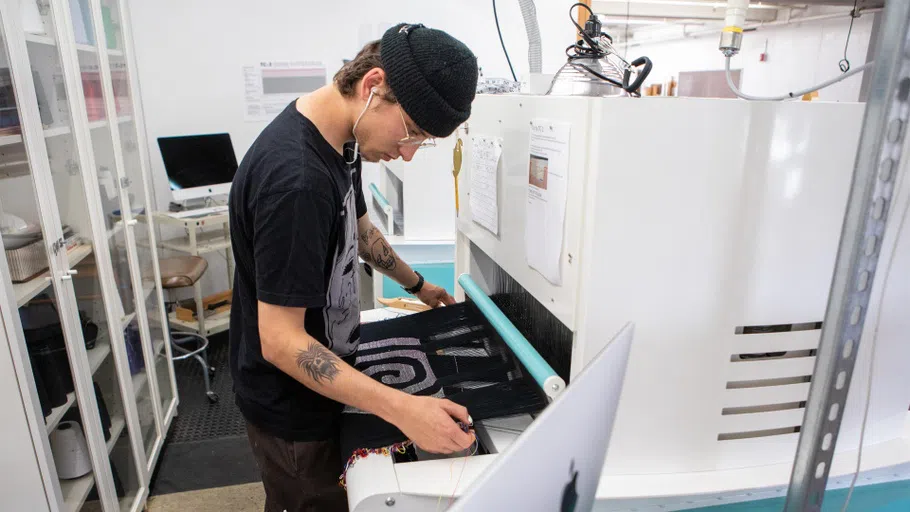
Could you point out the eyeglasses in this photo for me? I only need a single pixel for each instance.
(414, 140)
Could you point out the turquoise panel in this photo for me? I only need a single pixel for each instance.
(888, 497)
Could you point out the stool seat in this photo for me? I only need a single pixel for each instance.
(181, 271)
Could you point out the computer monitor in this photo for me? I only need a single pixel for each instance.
(557, 462)
(198, 165)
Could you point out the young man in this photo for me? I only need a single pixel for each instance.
(298, 222)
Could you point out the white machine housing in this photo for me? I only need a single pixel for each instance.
(696, 219)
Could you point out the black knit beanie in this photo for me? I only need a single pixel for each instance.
(433, 75)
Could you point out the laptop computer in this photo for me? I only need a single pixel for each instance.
(556, 463)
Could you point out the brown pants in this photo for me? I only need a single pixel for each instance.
(298, 476)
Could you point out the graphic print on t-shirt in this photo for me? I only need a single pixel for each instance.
(342, 309)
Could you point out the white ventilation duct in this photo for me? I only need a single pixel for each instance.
(529, 13)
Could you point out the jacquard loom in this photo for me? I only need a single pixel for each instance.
(712, 225)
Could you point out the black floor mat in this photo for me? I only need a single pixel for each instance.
(207, 445)
(197, 418)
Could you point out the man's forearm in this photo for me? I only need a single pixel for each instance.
(375, 250)
(299, 355)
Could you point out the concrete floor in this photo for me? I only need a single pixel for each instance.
(237, 498)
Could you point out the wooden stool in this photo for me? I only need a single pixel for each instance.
(183, 272)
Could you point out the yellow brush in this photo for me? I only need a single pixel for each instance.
(456, 168)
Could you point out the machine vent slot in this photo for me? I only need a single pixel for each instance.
(752, 409)
(758, 433)
(784, 381)
(764, 356)
(768, 380)
(767, 329)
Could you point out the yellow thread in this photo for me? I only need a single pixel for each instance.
(738, 30)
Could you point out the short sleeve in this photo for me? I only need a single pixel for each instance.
(357, 181)
(292, 232)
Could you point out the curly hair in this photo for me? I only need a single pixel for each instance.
(347, 78)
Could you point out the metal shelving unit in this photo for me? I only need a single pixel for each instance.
(878, 157)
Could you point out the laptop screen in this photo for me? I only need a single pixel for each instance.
(198, 160)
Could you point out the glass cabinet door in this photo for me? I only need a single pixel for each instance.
(116, 200)
(70, 331)
(139, 195)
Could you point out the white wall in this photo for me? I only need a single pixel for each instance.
(190, 63)
(799, 56)
(190, 54)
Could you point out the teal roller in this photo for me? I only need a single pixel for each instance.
(383, 202)
(551, 383)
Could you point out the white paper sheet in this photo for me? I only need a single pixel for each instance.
(547, 189)
(485, 153)
(271, 85)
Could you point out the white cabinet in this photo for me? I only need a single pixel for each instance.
(88, 384)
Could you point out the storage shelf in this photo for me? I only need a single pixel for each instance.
(57, 412)
(205, 242)
(6, 140)
(127, 320)
(212, 325)
(96, 356)
(86, 48)
(139, 382)
(117, 424)
(40, 39)
(30, 289)
(56, 131)
(76, 491)
(14, 169)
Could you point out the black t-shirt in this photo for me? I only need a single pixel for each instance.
(294, 207)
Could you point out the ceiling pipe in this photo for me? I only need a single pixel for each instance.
(747, 28)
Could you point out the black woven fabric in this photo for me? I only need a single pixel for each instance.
(448, 352)
(433, 76)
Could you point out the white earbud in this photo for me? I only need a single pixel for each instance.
(373, 92)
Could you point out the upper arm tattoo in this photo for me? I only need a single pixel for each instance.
(319, 363)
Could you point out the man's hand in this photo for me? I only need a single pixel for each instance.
(429, 423)
(434, 296)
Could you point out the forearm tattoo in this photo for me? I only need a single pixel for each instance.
(383, 256)
(365, 237)
(319, 363)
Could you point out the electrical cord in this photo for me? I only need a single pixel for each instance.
(878, 317)
(844, 64)
(594, 47)
(496, 17)
(792, 95)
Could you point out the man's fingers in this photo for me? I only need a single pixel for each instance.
(456, 411)
(464, 440)
(448, 300)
